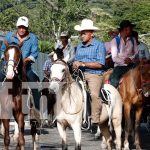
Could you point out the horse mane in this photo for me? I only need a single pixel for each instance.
(69, 78)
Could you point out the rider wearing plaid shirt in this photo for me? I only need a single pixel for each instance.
(90, 58)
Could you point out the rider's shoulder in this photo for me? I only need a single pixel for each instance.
(33, 35)
(9, 33)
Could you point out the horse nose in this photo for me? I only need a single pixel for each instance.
(53, 87)
(10, 75)
(10, 72)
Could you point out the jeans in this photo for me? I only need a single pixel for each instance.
(33, 80)
(118, 72)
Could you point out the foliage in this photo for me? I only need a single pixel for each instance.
(45, 46)
(49, 17)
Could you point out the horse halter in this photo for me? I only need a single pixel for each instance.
(16, 62)
(62, 62)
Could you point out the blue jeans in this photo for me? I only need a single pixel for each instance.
(31, 77)
(118, 72)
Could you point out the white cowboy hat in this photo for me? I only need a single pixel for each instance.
(86, 24)
(22, 21)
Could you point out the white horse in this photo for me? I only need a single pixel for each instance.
(111, 116)
(69, 102)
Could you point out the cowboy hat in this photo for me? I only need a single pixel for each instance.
(125, 24)
(64, 33)
(86, 24)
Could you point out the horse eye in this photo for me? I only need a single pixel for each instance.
(63, 70)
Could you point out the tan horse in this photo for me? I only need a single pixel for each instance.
(132, 91)
(69, 102)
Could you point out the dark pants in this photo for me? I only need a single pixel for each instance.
(118, 72)
(33, 80)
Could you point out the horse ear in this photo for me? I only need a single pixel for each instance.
(6, 43)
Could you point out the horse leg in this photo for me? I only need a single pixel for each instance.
(98, 133)
(6, 133)
(62, 131)
(2, 132)
(33, 133)
(20, 121)
(77, 135)
(107, 135)
(127, 109)
(138, 114)
(16, 132)
(117, 127)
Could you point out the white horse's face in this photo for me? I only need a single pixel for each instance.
(10, 70)
(57, 76)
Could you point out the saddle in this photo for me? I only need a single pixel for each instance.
(78, 76)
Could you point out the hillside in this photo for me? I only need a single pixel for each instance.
(48, 17)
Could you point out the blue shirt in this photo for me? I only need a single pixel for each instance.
(29, 48)
(93, 52)
(47, 65)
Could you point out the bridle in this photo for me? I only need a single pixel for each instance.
(16, 63)
(55, 79)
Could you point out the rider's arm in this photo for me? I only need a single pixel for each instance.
(135, 50)
(34, 49)
(147, 53)
(71, 55)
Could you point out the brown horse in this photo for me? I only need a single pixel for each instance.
(11, 94)
(133, 89)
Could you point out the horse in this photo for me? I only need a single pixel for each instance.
(133, 87)
(69, 102)
(111, 116)
(16, 75)
(11, 94)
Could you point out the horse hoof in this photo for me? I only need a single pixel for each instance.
(78, 147)
(64, 147)
(6, 148)
(138, 147)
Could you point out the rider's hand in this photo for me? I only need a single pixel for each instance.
(128, 61)
(27, 60)
(77, 64)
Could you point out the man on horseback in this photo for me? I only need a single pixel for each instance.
(144, 54)
(124, 51)
(90, 58)
(66, 47)
(29, 49)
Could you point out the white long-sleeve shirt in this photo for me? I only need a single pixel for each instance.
(126, 50)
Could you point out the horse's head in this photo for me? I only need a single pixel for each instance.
(12, 56)
(145, 70)
(59, 75)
